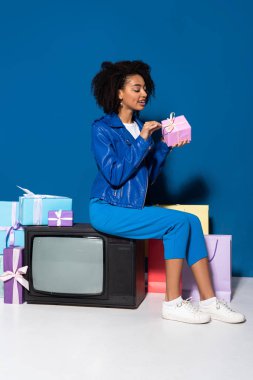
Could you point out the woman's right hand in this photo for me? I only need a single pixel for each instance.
(183, 142)
(148, 128)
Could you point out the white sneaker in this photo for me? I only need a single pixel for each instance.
(221, 311)
(184, 311)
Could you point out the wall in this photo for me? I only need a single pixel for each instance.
(201, 58)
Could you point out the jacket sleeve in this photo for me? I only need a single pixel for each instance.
(156, 160)
(117, 169)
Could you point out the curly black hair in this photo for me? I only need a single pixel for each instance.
(112, 77)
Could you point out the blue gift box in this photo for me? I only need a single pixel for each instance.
(33, 208)
(1, 283)
(9, 213)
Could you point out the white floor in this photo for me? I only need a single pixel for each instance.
(63, 342)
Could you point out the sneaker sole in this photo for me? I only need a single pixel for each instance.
(185, 320)
(225, 320)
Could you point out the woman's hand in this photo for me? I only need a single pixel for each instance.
(180, 144)
(177, 145)
(148, 128)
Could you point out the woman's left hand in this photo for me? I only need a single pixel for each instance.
(182, 143)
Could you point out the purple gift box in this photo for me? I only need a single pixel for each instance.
(176, 129)
(13, 275)
(63, 218)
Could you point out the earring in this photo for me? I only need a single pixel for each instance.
(121, 103)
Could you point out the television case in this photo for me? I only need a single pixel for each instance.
(123, 269)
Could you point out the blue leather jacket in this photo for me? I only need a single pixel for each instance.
(126, 166)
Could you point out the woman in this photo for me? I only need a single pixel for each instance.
(128, 163)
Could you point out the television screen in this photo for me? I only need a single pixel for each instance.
(69, 265)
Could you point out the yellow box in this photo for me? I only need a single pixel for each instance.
(201, 211)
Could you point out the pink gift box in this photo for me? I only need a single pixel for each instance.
(175, 129)
(63, 218)
(13, 275)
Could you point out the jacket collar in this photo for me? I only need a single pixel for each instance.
(114, 121)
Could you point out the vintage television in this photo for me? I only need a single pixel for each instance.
(81, 266)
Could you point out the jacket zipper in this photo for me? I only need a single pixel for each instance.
(145, 192)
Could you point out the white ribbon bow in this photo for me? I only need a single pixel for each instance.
(17, 274)
(30, 194)
(171, 120)
(59, 217)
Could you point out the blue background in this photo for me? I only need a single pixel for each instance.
(201, 58)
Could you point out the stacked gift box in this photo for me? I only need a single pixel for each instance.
(32, 209)
(11, 233)
(1, 271)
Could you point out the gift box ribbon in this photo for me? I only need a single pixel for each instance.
(59, 217)
(14, 226)
(17, 275)
(171, 125)
(37, 205)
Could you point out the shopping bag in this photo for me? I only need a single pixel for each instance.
(219, 249)
(156, 267)
(201, 211)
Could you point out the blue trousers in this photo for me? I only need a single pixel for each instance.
(181, 232)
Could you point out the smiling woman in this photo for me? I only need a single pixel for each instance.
(123, 76)
(133, 94)
(128, 162)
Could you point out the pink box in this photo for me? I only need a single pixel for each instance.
(175, 129)
(63, 218)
